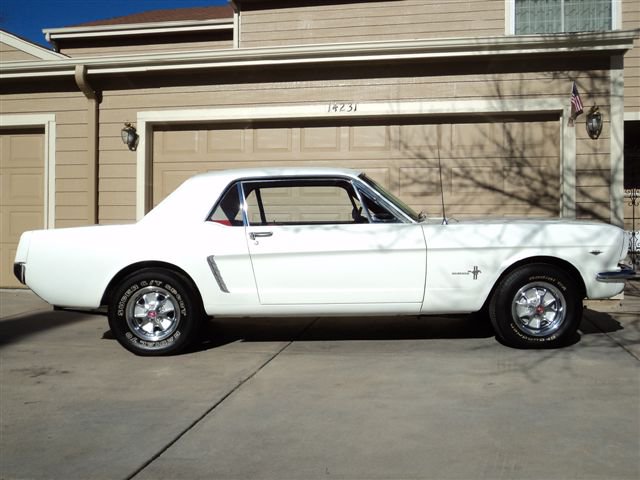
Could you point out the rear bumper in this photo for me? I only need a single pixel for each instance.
(19, 271)
(617, 276)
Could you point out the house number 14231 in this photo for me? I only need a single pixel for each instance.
(342, 107)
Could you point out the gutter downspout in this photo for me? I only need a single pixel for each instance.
(93, 103)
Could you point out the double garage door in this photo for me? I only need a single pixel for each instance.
(21, 195)
(499, 168)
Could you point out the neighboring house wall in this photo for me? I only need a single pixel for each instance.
(630, 21)
(71, 156)
(369, 21)
(15, 49)
(12, 54)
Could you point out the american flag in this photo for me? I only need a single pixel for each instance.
(576, 103)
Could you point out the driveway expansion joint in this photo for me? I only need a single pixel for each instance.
(221, 400)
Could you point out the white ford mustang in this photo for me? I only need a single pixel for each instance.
(319, 242)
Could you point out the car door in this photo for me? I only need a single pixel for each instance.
(311, 241)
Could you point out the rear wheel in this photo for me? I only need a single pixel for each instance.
(155, 312)
(536, 305)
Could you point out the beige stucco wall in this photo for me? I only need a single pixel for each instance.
(630, 21)
(12, 54)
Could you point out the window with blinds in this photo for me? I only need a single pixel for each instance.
(555, 16)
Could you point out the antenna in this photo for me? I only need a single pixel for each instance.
(444, 214)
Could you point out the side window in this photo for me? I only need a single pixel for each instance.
(554, 16)
(302, 202)
(377, 211)
(228, 211)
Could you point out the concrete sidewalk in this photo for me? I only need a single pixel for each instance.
(350, 398)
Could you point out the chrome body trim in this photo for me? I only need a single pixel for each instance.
(216, 274)
(626, 272)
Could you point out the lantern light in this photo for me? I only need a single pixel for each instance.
(129, 136)
(594, 122)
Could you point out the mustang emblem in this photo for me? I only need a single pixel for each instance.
(475, 272)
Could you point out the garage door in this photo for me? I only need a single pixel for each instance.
(499, 168)
(22, 197)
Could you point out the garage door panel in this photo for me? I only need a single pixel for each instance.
(541, 140)
(7, 254)
(181, 142)
(22, 187)
(542, 179)
(226, 141)
(320, 139)
(478, 140)
(420, 136)
(24, 151)
(475, 180)
(419, 181)
(18, 220)
(269, 140)
(380, 175)
(168, 181)
(370, 138)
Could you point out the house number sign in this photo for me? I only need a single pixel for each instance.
(336, 107)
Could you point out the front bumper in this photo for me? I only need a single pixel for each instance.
(617, 276)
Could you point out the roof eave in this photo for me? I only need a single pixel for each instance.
(55, 34)
(327, 54)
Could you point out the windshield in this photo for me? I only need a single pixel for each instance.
(391, 198)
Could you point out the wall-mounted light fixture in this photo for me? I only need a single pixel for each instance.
(594, 122)
(130, 136)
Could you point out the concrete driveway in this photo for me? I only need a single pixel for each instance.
(357, 398)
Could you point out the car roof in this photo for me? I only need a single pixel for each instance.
(192, 201)
(241, 173)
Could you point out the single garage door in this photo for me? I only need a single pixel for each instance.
(503, 167)
(22, 197)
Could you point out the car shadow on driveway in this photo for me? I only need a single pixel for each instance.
(598, 322)
(223, 331)
(16, 328)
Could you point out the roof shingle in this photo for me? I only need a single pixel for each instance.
(166, 15)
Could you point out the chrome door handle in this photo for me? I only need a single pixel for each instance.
(254, 235)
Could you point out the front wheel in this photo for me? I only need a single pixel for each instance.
(536, 305)
(155, 312)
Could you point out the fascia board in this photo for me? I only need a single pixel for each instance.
(318, 60)
(334, 53)
(136, 26)
(142, 30)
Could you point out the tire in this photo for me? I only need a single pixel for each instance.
(536, 306)
(155, 312)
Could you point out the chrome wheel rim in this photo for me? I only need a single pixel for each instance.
(153, 314)
(539, 309)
